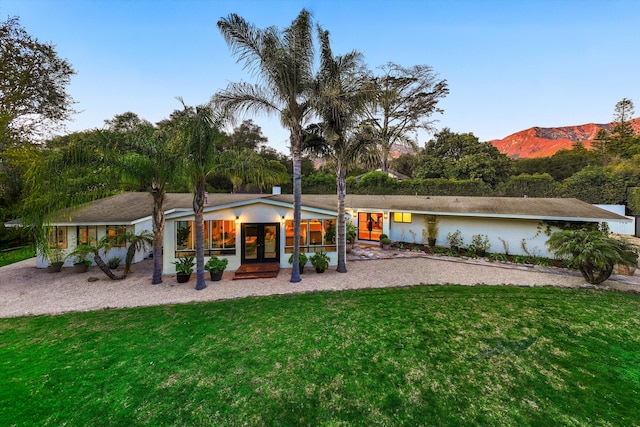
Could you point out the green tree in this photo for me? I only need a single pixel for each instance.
(405, 98)
(525, 185)
(461, 156)
(147, 161)
(341, 94)
(623, 140)
(283, 59)
(33, 85)
(199, 132)
(594, 184)
(593, 252)
(247, 135)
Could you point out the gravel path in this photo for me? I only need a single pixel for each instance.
(27, 290)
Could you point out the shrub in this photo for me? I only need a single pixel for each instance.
(114, 262)
(479, 244)
(216, 264)
(455, 239)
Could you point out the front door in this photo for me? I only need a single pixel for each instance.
(260, 243)
(369, 226)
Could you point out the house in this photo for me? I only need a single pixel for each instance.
(258, 228)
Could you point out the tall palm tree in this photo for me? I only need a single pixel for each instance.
(340, 97)
(283, 60)
(150, 163)
(198, 134)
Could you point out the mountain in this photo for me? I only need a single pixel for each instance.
(543, 142)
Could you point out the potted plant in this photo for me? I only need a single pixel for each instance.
(302, 261)
(114, 262)
(216, 267)
(320, 260)
(56, 260)
(81, 261)
(432, 231)
(455, 240)
(479, 244)
(184, 268)
(385, 242)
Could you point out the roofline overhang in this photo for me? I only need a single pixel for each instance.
(180, 213)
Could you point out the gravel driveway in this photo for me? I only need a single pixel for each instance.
(27, 290)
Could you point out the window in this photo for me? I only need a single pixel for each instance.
(401, 217)
(185, 236)
(117, 235)
(58, 237)
(219, 238)
(315, 235)
(87, 235)
(223, 237)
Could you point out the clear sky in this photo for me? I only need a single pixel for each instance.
(510, 64)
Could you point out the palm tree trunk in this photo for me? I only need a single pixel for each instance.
(198, 207)
(296, 154)
(158, 230)
(341, 183)
(105, 268)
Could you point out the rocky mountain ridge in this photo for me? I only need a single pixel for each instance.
(544, 142)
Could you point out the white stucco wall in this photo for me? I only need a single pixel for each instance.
(254, 213)
(512, 231)
(72, 243)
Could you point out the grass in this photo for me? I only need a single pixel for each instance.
(9, 257)
(427, 355)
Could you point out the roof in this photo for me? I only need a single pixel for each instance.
(131, 207)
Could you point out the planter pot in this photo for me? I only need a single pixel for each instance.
(217, 276)
(80, 268)
(385, 247)
(432, 242)
(319, 270)
(182, 277)
(482, 254)
(55, 267)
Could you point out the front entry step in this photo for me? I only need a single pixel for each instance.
(257, 271)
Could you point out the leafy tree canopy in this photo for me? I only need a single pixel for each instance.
(33, 83)
(461, 156)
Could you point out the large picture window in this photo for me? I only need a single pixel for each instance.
(219, 238)
(315, 235)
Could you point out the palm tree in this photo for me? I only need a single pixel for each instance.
(283, 59)
(198, 133)
(341, 94)
(593, 252)
(151, 164)
(136, 242)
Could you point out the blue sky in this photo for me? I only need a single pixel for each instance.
(510, 64)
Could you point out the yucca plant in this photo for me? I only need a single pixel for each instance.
(593, 252)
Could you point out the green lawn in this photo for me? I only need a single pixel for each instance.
(428, 355)
(16, 255)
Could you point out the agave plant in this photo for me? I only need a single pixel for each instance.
(593, 252)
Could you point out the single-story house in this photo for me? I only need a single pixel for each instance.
(258, 228)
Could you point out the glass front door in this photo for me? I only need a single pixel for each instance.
(369, 226)
(260, 243)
